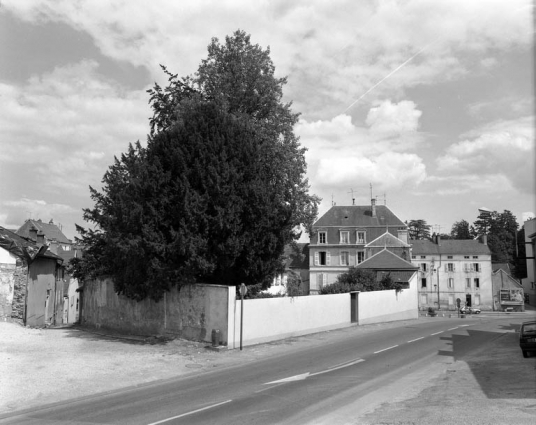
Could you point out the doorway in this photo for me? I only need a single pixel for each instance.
(468, 300)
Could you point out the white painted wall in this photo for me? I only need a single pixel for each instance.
(7, 258)
(271, 319)
(388, 306)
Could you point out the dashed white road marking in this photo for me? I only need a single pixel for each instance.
(451, 329)
(385, 349)
(416, 339)
(437, 333)
(190, 413)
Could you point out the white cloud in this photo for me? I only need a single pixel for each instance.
(363, 42)
(73, 119)
(343, 154)
(390, 119)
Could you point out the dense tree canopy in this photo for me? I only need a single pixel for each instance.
(461, 230)
(501, 229)
(217, 193)
(418, 229)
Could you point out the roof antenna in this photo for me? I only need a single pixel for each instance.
(353, 199)
(370, 190)
(384, 199)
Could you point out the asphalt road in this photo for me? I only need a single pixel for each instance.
(337, 382)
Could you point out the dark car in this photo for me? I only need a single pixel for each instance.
(527, 337)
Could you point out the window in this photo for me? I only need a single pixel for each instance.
(477, 299)
(468, 283)
(322, 258)
(423, 267)
(466, 257)
(345, 258)
(423, 257)
(321, 237)
(450, 257)
(424, 299)
(413, 257)
(451, 282)
(360, 256)
(449, 267)
(322, 280)
(423, 282)
(361, 237)
(477, 283)
(476, 267)
(345, 237)
(475, 257)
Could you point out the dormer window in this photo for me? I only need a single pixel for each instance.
(345, 237)
(322, 237)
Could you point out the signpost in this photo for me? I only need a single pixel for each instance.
(458, 302)
(243, 291)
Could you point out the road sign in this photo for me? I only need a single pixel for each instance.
(243, 289)
(458, 301)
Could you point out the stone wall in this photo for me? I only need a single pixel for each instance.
(12, 291)
(191, 312)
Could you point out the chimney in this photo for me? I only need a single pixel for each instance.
(373, 202)
(485, 239)
(32, 233)
(40, 238)
(438, 239)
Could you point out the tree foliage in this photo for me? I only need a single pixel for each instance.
(217, 193)
(418, 229)
(461, 230)
(364, 280)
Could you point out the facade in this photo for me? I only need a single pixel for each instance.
(50, 234)
(507, 292)
(529, 283)
(452, 269)
(32, 283)
(346, 236)
(296, 258)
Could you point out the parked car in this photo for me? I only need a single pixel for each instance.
(469, 310)
(527, 337)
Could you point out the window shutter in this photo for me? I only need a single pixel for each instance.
(316, 259)
(328, 258)
(446, 267)
(453, 267)
(340, 258)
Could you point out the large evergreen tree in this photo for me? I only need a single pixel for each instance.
(419, 229)
(501, 229)
(218, 191)
(461, 230)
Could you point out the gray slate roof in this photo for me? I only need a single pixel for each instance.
(51, 231)
(361, 216)
(450, 247)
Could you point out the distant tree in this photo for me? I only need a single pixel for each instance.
(461, 230)
(217, 193)
(295, 285)
(419, 229)
(360, 280)
(501, 230)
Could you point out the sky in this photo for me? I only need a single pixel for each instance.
(426, 105)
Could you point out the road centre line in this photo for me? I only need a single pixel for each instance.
(189, 413)
(451, 329)
(416, 339)
(437, 333)
(385, 349)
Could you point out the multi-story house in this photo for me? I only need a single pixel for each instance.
(347, 235)
(452, 269)
(529, 283)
